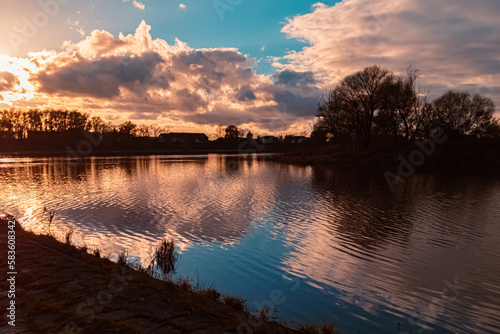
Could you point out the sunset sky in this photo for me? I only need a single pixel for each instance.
(258, 64)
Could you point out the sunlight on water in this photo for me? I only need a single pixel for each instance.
(317, 243)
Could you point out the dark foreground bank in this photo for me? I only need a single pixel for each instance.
(54, 287)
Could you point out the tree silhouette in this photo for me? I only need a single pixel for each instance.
(460, 114)
(232, 132)
(128, 128)
(95, 124)
(353, 104)
(404, 108)
(219, 132)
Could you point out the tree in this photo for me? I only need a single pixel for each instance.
(6, 121)
(56, 120)
(95, 124)
(404, 108)
(492, 130)
(128, 128)
(219, 132)
(232, 132)
(249, 135)
(143, 131)
(76, 120)
(460, 114)
(34, 119)
(155, 131)
(353, 104)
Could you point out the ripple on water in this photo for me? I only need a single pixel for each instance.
(366, 257)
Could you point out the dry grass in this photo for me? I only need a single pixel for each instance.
(185, 284)
(83, 248)
(96, 252)
(327, 328)
(166, 257)
(210, 293)
(264, 313)
(68, 235)
(122, 258)
(235, 302)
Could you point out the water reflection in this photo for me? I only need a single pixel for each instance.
(365, 257)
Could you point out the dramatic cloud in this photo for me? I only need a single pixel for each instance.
(8, 81)
(100, 78)
(455, 43)
(136, 77)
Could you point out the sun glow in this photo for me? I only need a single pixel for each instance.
(20, 69)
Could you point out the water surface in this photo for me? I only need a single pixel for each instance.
(315, 243)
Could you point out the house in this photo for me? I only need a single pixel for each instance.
(296, 140)
(268, 140)
(182, 138)
(6, 135)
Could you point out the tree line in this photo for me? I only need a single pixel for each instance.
(376, 102)
(18, 122)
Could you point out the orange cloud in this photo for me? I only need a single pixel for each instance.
(137, 77)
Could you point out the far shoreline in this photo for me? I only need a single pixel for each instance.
(116, 153)
(463, 156)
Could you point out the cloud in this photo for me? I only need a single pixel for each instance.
(294, 79)
(182, 6)
(137, 4)
(101, 78)
(245, 94)
(76, 26)
(8, 81)
(455, 43)
(141, 78)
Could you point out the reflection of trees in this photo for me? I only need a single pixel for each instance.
(363, 212)
(231, 164)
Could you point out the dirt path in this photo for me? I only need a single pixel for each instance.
(60, 289)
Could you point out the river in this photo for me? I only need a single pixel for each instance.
(313, 243)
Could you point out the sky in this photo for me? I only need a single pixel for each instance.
(258, 64)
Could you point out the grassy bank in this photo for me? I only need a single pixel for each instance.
(66, 289)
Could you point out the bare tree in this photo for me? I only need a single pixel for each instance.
(34, 119)
(404, 107)
(353, 104)
(219, 132)
(128, 128)
(95, 124)
(143, 131)
(232, 132)
(460, 113)
(76, 120)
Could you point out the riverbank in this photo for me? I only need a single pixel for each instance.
(481, 156)
(60, 288)
(116, 153)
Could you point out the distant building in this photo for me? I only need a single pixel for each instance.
(182, 138)
(268, 139)
(296, 140)
(7, 135)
